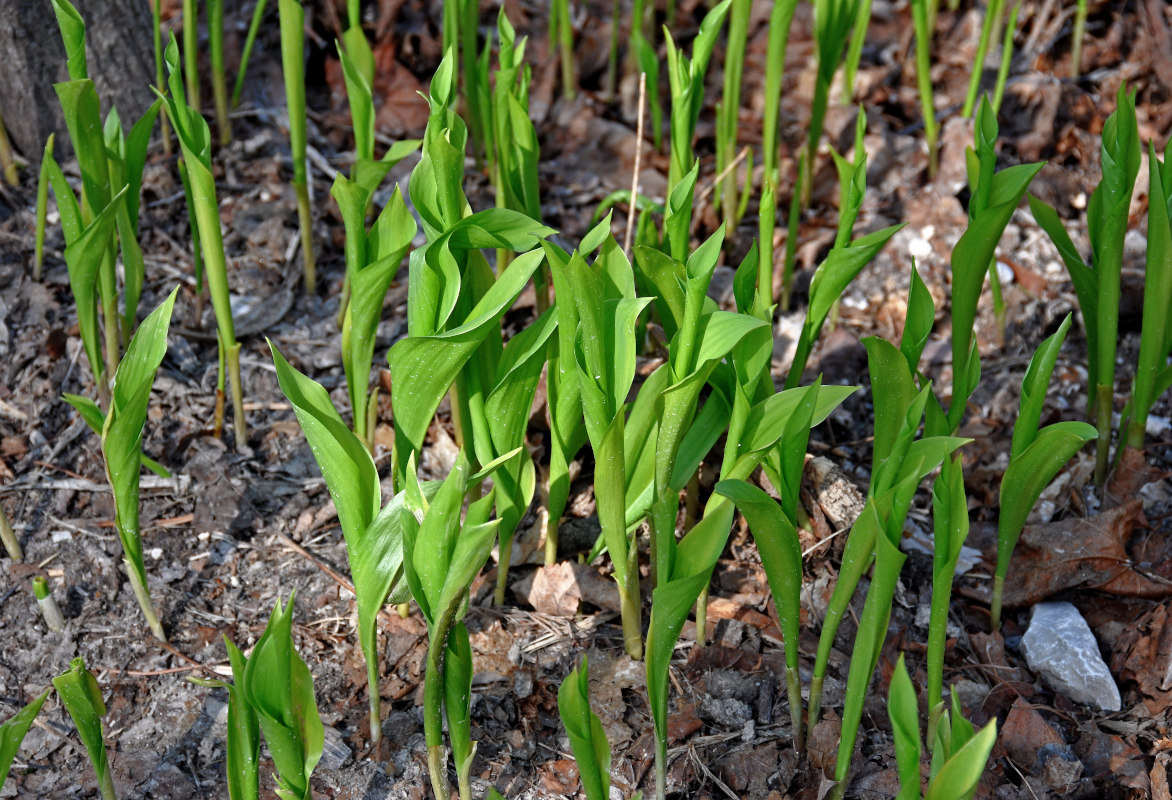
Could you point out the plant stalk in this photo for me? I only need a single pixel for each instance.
(433, 695)
(191, 52)
(8, 538)
(144, 602)
(239, 428)
(305, 219)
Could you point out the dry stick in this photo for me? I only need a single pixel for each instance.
(707, 190)
(638, 158)
(327, 569)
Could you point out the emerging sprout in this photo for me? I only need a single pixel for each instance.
(79, 693)
(49, 608)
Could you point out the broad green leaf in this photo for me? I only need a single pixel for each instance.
(83, 258)
(766, 421)
(431, 555)
(587, 738)
(122, 431)
(13, 730)
(868, 642)
(469, 555)
(970, 264)
(781, 555)
(830, 280)
(893, 391)
(710, 422)
(422, 368)
(374, 537)
(903, 711)
(1028, 475)
(243, 745)
(1033, 389)
(357, 71)
(1156, 332)
(673, 599)
(959, 776)
(80, 105)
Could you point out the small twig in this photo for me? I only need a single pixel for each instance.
(741, 156)
(638, 159)
(326, 568)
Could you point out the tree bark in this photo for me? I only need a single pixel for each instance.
(119, 54)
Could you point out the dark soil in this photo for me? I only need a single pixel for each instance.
(234, 530)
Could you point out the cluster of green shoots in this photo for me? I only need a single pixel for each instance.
(428, 540)
(272, 691)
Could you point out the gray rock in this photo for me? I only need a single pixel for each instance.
(1059, 646)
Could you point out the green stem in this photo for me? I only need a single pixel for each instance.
(791, 239)
(923, 16)
(566, 44)
(433, 694)
(661, 769)
(376, 727)
(992, 13)
(793, 685)
(702, 618)
(8, 538)
(1006, 57)
(305, 219)
(998, 593)
(143, 595)
(106, 783)
(191, 53)
(551, 540)
(998, 302)
(815, 700)
(239, 428)
(219, 85)
(1080, 27)
(1104, 405)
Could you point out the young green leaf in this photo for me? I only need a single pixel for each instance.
(79, 693)
(830, 280)
(1024, 480)
(13, 730)
(587, 738)
(122, 442)
(243, 745)
(279, 687)
(781, 555)
(374, 537)
(903, 711)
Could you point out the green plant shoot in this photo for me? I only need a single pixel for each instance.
(79, 693)
(587, 738)
(1153, 376)
(243, 745)
(441, 558)
(954, 774)
(13, 730)
(292, 16)
(195, 141)
(373, 533)
(1098, 286)
(122, 442)
(372, 259)
(279, 687)
(1036, 456)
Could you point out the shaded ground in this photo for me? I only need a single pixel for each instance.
(235, 530)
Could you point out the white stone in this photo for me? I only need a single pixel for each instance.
(1059, 646)
(919, 248)
(1005, 273)
(61, 536)
(156, 553)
